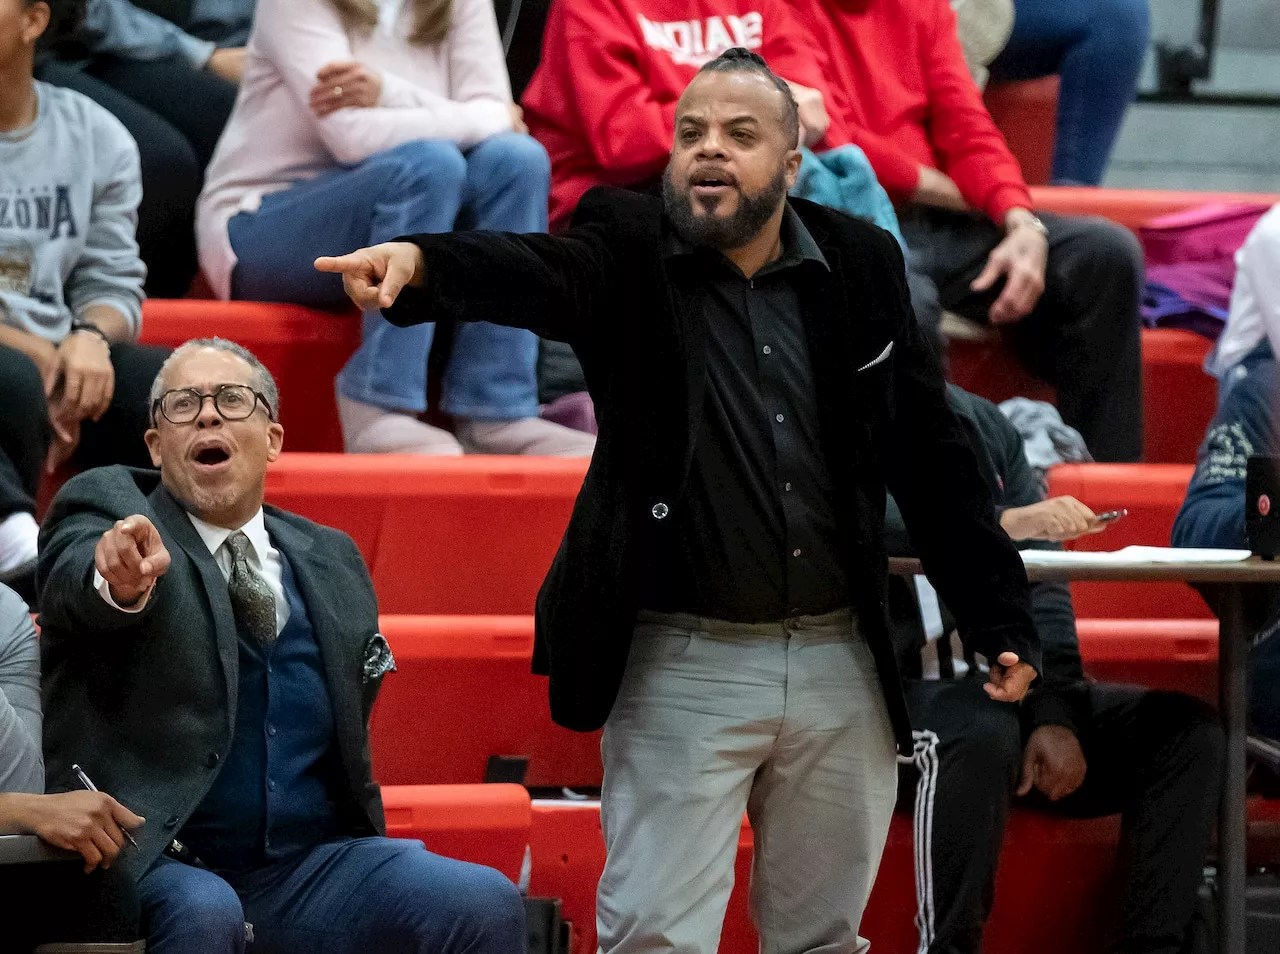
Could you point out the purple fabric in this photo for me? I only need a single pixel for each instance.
(1191, 265)
(573, 410)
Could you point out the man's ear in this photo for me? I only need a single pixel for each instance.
(152, 437)
(275, 441)
(793, 160)
(35, 20)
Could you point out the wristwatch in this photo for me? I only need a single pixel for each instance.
(1031, 220)
(79, 324)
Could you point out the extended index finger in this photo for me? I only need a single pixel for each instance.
(352, 261)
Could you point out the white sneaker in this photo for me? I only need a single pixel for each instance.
(530, 436)
(369, 429)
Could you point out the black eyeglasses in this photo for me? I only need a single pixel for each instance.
(233, 402)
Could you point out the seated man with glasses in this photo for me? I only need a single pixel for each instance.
(212, 662)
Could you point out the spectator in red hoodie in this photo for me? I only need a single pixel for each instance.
(603, 99)
(1066, 288)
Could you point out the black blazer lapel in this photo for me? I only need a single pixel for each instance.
(177, 526)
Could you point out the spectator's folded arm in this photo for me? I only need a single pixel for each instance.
(301, 37)
(477, 68)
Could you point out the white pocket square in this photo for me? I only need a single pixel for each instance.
(880, 359)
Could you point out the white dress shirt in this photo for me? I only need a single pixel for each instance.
(264, 559)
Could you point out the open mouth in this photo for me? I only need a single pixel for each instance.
(712, 182)
(212, 456)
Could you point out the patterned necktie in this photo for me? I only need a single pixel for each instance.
(251, 600)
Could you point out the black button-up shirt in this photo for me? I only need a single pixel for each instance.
(754, 536)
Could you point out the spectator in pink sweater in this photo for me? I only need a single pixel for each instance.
(359, 121)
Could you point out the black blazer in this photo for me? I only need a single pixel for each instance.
(146, 702)
(883, 418)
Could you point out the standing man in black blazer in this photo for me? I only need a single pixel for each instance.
(212, 662)
(717, 602)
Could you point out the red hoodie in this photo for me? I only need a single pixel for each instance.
(904, 94)
(603, 99)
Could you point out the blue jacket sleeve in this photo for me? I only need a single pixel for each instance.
(1212, 514)
(119, 28)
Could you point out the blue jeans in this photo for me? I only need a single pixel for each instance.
(351, 896)
(1097, 46)
(422, 186)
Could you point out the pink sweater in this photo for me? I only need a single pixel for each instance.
(457, 90)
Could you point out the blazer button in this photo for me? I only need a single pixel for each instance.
(660, 511)
(171, 821)
(213, 759)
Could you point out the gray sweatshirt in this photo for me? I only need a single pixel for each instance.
(21, 759)
(69, 190)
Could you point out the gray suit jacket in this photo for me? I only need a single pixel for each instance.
(146, 702)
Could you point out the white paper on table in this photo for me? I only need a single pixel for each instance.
(1133, 554)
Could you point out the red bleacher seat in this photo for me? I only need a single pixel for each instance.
(1134, 208)
(1159, 653)
(1178, 396)
(1152, 493)
(1063, 870)
(462, 691)
(1026, 113)
(441, 535)
(1058, 868)
(484, 824)
(303, 349)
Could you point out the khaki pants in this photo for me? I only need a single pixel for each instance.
(786, 721)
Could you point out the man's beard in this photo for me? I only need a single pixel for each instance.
(722, 232)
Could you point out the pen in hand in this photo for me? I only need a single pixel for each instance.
(87, 783)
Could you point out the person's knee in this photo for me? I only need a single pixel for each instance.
(424, 165)
(1192, 725)
(210, 912)
(986, 748)
(21, 387)
(992, 743)
(489, 908)
(1115, 252)
(510, 158)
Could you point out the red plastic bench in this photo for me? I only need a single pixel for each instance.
(1178, 397)
(1026, 113)
(303, 349)
(463, 692)
(1152, 493)
(1061, 869)
(441, 535)
(567, 850)
(485, 824)
(1159, 653)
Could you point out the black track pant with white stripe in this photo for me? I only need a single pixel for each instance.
(1153, 757)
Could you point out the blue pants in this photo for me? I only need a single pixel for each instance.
(1097, 46)
(422, 186)
(351, 896)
